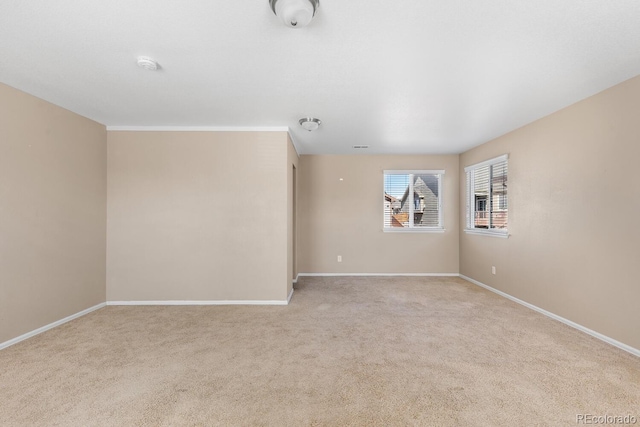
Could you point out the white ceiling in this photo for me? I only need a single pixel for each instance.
(403, 76)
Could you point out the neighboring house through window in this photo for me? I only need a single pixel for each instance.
(487, 202)
(412, 200)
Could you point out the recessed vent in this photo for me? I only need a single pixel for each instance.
(360, 147)
(147, 63)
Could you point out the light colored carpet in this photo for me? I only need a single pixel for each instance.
(346, 351)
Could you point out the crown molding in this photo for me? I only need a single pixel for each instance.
(198, 128)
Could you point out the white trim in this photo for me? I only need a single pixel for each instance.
(296, 279)
(50, 326)
(413, 230)
(199, 128)
(198, 302)
(440, 204)
(470, 196)
(498, 159)
(379, 274)
(289, 297)
(568, 322)
(485, 232)
(410, 171)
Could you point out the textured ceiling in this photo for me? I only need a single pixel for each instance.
(406, 76)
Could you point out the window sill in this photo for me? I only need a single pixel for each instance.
(413, 230)
(481, 232)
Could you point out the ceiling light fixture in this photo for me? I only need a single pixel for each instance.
(295, 13)
(310, 123)
(147, 63)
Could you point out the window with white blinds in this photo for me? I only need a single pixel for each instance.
(487, 201)
(413, 200)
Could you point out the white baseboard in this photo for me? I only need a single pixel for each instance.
(568, 322)
(50, 326)
(378, 274)
(215, 302)
(289, 297)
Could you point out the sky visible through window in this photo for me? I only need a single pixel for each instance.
(396, 185)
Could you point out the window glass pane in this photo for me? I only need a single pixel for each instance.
(499, 195)
(481, 197)
(425, 200)
(396, 190)
(469, 209)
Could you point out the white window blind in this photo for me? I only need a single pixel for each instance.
(487, 201)
(412, 200)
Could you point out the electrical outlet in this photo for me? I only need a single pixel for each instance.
(339, 258)
(493, 269)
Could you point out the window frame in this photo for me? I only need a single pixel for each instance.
(471, 199)
(413, 229)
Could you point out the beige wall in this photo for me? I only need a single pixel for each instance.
(574, 207)
(52, 213)
(197, 216)
(345, 217)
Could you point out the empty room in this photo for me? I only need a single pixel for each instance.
(319, 213)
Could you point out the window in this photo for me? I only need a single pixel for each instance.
(487, 203)
(412, 200)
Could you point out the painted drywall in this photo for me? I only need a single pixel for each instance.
(197, 216)
(52, 213)
(292, 176)
(341, 213)
(574, 204)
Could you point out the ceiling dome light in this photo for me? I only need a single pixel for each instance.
(310, 123)
(147, 63)
(295, 13)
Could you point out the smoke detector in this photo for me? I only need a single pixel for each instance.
(147, 63)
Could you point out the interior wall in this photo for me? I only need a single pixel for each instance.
(52, 213)
(574, 204)
(292, 187)
(197, 216)
(345, 217)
